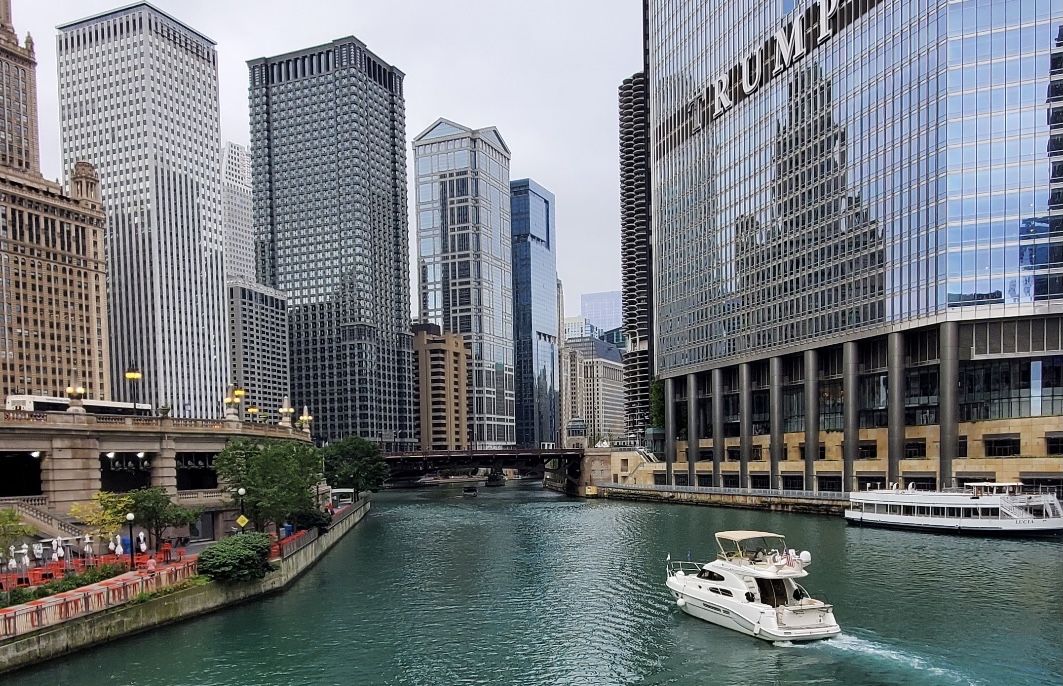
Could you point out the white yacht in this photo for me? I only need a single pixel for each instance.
(980, 508)
(752, 587)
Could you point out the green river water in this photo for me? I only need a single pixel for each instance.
(523, 586)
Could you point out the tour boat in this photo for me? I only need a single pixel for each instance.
(978, 508)
(496, 479)
(751, 587)
(469, 491)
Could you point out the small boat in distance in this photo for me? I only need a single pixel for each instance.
(469, 491)
(751, 588)
(496, 479)
(987, 508)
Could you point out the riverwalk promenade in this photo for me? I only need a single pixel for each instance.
(781, 500)
(122, 606)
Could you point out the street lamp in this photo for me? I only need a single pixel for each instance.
(129, 518)
(75, 392)
(239, 393)
(286, 411)
(253, 411)
(305, 418)
(241, 492)
(231, 401)
(133, 375)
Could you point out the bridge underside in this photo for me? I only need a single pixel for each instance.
(563, 467)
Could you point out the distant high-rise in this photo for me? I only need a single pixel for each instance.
(635, 250)
(595, 387)
(603, 309)
(138, 98)
(464, 262)
(535, 333)
(258, 333)
(580, 327)
(441, 361)
(50, 240)
(236, 212)
(328, 158)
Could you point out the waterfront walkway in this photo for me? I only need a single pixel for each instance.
(820, 502)
(18, 620)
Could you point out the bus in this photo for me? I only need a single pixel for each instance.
(44, 403)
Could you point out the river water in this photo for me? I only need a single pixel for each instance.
(522, 586)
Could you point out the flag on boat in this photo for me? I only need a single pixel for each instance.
(788, 558)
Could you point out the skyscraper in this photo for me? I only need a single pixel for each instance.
(258, 341)
(236, 212)
(604, 309)
(138, 98)
(56, 338)
(635, 248)
(328, 159)
(442, 364)
(465, 262)
(535, 317)
(852, 291)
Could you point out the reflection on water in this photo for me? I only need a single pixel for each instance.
(521, 586)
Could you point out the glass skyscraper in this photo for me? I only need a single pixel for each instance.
(328, 159)
(858, 239)
(604, 309)
(464, 263)
(535, 317)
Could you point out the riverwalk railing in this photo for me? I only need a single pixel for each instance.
(715, 490)
(296, 542)
(61, 607)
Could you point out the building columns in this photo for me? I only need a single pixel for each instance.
(693, 430)
(850, 413)
(164, 466)
(669, 429)
(895, 407)
(719, 447)
(811, 417)
(778, 448)
(745, 408)
(948, 402)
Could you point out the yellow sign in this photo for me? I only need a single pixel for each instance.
(242, 521)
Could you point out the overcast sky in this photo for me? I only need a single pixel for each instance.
(544, 72)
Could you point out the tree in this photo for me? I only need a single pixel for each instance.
(657, 404)
(354, 462)
(105, 515)
(155, 510)
(12, 530)
(278, 477)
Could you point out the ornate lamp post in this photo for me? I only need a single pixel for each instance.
(129, 518)
(239, 393)
(75, 392)
(286, 411)
(253, 411)
(133, 375)
(305, 418)
(230, 401)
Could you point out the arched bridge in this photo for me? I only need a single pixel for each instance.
(560, 466)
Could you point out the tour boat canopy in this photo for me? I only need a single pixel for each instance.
(747, 543)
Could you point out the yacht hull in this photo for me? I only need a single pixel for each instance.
(956, 526)
(748, 620)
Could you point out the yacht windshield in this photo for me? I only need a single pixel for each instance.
(756, 549)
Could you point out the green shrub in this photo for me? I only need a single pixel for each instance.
(242, 557)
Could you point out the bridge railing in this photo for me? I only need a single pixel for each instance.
(717, 490)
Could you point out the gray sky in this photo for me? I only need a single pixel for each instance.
(545, 73)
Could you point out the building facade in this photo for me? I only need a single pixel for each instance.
(857, 214)
(328, 159)
(581, 327)
(464, 263)
(604, 309)
(237, 221)
(635, 249)
(594, 371)
(258, 341)
(441, 363)
(536, 374)
(53, 277)
(151, 130)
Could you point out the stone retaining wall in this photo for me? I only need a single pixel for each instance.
(754, 502)
(123, 621)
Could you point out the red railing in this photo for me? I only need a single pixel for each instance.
(296, 542)
(21, 619)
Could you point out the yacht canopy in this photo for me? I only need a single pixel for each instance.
(744, 535)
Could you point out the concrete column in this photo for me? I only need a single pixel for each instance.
(777, 450)
(895, 407)
(811, 417)
(850, 413)
(948, 402)
(693, 429)
(669, 429)
(164, 466)
(70, 471)
(745, 408)
(719, 450)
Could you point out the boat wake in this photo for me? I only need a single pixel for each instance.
(848, 643)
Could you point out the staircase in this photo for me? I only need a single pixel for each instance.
(47, 524)
(1012, 510)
